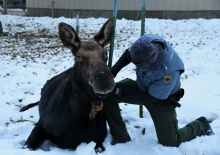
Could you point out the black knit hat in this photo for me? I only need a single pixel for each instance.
(143, 53)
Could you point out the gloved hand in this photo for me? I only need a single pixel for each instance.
(173, 99)
(178, 95)
(104, 96)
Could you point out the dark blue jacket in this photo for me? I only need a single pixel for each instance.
(163, 78)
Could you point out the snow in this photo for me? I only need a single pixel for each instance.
(31, 53)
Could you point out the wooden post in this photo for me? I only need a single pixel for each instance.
(142, 33)
(77, 24)
(23, 2)
(52, 5)
(113, 38)
(5, 6)
(143, 17)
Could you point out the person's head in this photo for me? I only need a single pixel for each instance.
(143, 53)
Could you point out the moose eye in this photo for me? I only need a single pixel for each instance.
(78, 57)
(106, 54)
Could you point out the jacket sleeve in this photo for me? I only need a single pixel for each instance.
(122, 62)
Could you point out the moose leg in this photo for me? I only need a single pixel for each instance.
(36, 138)
(99, 147)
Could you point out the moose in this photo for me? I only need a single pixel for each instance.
(70, 111)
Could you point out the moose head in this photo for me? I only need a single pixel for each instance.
(90, 56)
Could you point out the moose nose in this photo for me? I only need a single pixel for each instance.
(102, 82)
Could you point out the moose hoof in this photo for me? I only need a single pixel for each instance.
(99, 148)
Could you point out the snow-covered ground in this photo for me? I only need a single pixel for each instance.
(31, 53)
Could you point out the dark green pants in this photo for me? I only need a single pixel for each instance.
(164, 118)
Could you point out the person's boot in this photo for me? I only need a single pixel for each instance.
(122, 139)
(207, 127)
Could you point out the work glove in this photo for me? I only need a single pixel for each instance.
(178, 95)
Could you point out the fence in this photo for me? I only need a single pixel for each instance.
(130, 9)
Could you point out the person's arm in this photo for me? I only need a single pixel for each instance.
(137, 95)
(122, 62)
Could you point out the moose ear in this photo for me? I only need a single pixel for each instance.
(69, 37)
(105, 34)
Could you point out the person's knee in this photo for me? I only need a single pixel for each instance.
(170, 139)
